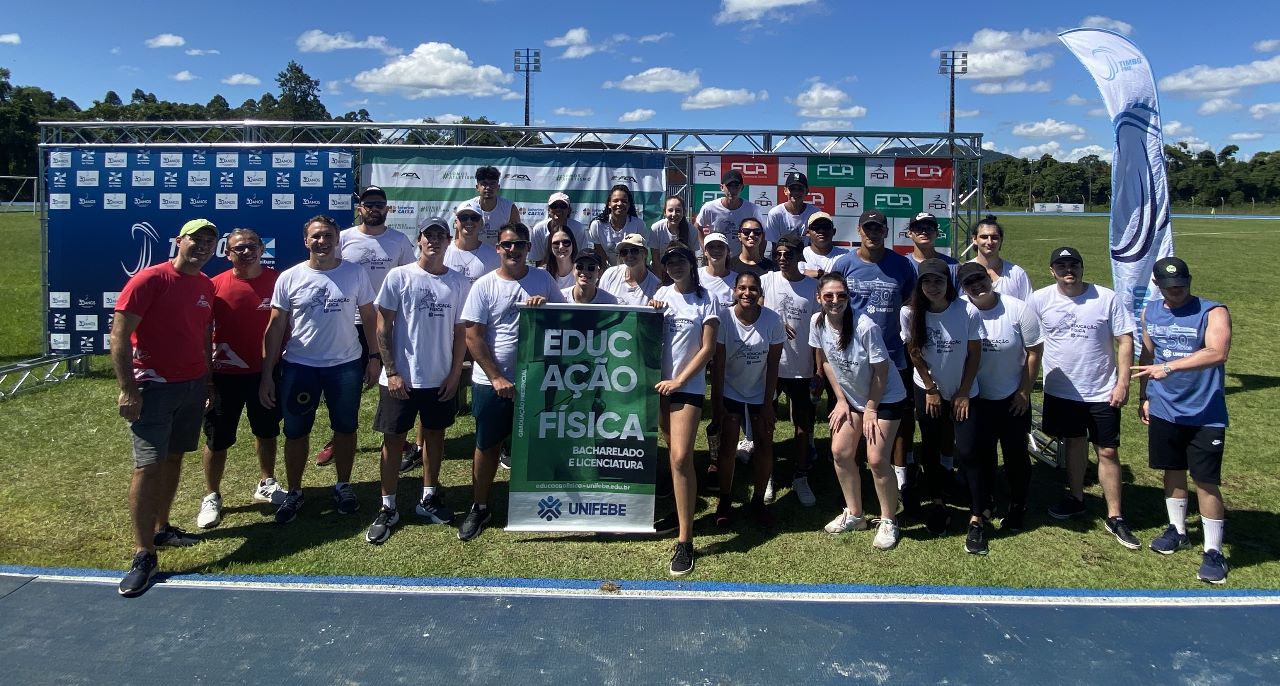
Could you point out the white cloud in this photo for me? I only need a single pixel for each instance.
(1076, 100)
(988, 145)
(657, 79)
(1205, 79)
(827, 125)
(1176, 128)
(10, 39)
(1011, 87)
(316, 40)
(753, 10)
(567, 112)
(113, 51)
(637, 115)
(1098, 112)
(575, 41)
(965, 114)
(333, 87)
(357, 103)
(184, 75)
(166, 40)
(1267, 45)
(197, 52)
(654, 37)
(1077, 153)
(242, 79)
(824, 101)
(1006, 64)
(985, 40)
(1264, 110)
(434, 69)
(637, 60)
(1036, 151)
(447, 118)
(1049, 128)
(711, 98)
(1195, 144)
(1246, 136)
(1217, 105)
(1116, 25)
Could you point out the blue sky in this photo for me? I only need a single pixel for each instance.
(758, 64)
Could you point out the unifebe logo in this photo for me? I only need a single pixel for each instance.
(282, 160)
(226, 201)
(311, 202)
(60, 341)
(339, 201)
(282, 201)
(254, 201)
(115, 159)
(86, 178)
(86, 322)
(86, 202)
(109, 299)
(198, 178)
(311, 179)
(339, 160)
(59, 201)
(549, 508)
(255, 178)
(141, 202)
(114, 201)
(59, 159)
(59, 300)
(170, 201)
(227, 160)
(197, 201)
(146, 238)
(170, 159)
(144, 178)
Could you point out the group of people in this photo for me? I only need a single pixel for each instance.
(754, 309)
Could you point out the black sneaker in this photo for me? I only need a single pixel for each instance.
(1067, 508)
(433, 508)
(682, 559)
(288, 509)
(471, 527)
(938, 520)
(173, 537)
(504, 459)
(1120, 529)
(1213, 570)
(141, 573)
(1014, 519)
(975, 542)
(1170, 541)
(667, 525)
(412, 459)
(380, 530)
(344, 499)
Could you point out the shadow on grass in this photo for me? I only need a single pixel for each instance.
(1251, 382)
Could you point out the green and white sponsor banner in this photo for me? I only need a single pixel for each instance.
(843, 187)
(584, 447)
(428, 183)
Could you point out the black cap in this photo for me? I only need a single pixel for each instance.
(1171, 271)
(969, 269)
(731, 176)
(924, 218)
(488, 174)
(873, 217)
(793, 178)
(372, 190)
(1065, 253)
(934, 266)
(680, 249)
(589, 256)
(438, 222)
(790, 240)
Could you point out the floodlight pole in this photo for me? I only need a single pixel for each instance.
(952, 62)
(528, 60)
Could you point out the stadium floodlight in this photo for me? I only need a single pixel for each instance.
(951, 63)
(528, 60)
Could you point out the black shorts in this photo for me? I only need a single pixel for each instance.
(744, 411)
(800, 399)
(236, 393)
(1197, 449)
(1064, 418)
(395, 416)
(679, 398)
(894, 411)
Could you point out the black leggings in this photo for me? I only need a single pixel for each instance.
(934, 432)
(996, 424)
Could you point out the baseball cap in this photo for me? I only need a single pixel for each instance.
(433, 221)
(633, 239)
(821, 220)
(924, 218)
(1171, 271)
(467, 206)
(790, 240)
(1065, 253)
(558, 197)
(969, 269)
(872, 217)
(373, 190)
(713, 237)
(588, 256)
(794, 178)
(487, 173)
(731, 176)
(934, 266)
(681, 250)
(191, 227)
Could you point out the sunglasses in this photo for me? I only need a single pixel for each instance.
(628, 251)
(751, 232)
(469, 217)
(514, 245)
(973, 281)
(373, 205)
(562, 243)
(922, 229)
(586, 267)
(834, 297)
(558, 206)
(784, 255)
(242, 249)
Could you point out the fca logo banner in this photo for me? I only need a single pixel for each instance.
(708, 196)
(893, 199)
(879, 173)
(816, 198)
(922, 171)
(849, 201)
(706, 170)
(836, 170)
(750, 168)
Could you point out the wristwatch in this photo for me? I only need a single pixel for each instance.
(1166, 368)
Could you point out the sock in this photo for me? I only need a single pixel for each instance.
(389, 502)
(428, 491)
(948, 462)
(1177, 508)
(901, 473)
(1212, 533)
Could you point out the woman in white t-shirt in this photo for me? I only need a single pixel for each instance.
(943, 337)
(618, 220)
(631, 282)
(585, 289)
(870, 403)
(562, 247)
(672, 228)
(690, 323)
(718, 279)
(747, 355)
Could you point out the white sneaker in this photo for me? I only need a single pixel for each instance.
(210, 511)
(846, 521)
(268, 491)
(769, 494)
(886, 535)
(803, 493)
(744, 450)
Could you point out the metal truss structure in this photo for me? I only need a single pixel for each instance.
(44, 371)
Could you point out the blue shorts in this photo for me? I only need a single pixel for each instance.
(299, 394)
(493, 414)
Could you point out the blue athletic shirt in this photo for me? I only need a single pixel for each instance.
(879, 291)
(1196, 398)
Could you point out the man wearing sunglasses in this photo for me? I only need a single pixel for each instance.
(495, 209)
(821, 252)
(559, 218)
(792, 216)
(923, 232)
(750, 258)
(725, 214)
(466, 253)
(492, 317)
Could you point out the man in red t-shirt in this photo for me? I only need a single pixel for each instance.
(241, 310)
(160, 343)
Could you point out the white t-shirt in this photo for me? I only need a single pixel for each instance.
(720, 288)
(1013, 281)
(494, 219)
(1008, 329)
(795, 302)
(603, 297)
(565, 280)
(682, 324)
(780, 222)
(321, 307)
(614, 280)
(539, 233)
(377, 254)
(813, 260)
(660, 236)
(947, 336)
(746, 349)
(603, 234)
(852, 365)
(472, 264)
(428, 307)
(720, 218)
(1079, 341)
(494, 302)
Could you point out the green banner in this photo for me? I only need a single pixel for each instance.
(584, 447)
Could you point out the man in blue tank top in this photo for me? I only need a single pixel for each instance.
(1185, 341)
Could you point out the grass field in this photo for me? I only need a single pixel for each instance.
(64, 472)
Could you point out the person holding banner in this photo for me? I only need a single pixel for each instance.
(562, 246)
(631, 282)
(586, 290)
(751, 258)
(672, 228)
(820, 252)
(494, 209)
(725, 214)
(791, 217)
(492, 317)
(1087, 333)
(1006, 277)
(747, 354)
(1185, 343)
(617, 221)
(467, 254)
(870, 401)
(690, 323)
(422, 341)
(559, 216)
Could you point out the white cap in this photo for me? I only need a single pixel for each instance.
(713, 237)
